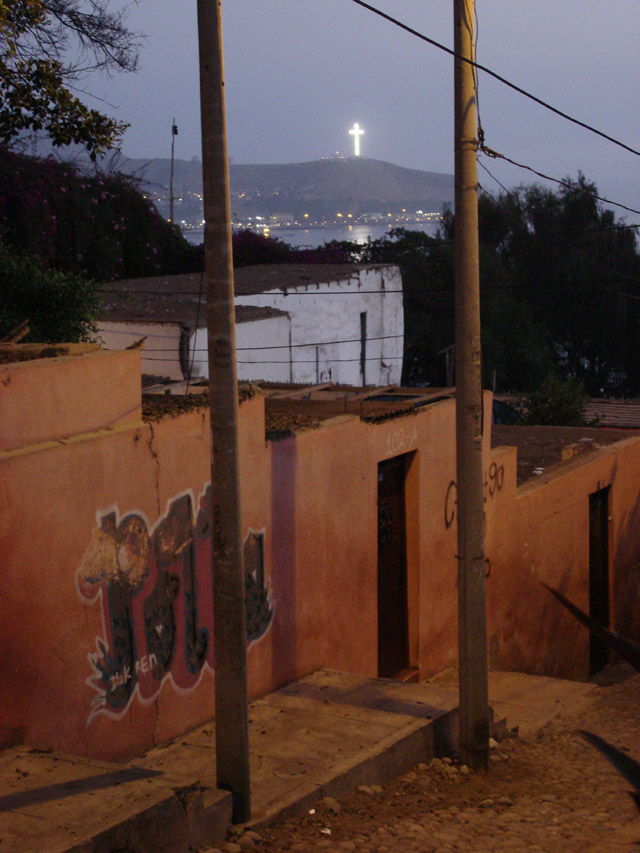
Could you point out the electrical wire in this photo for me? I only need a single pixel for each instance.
(496, 76)
(493, 177)
(425, 291)
(297, 361)
(287, 346)
(495, 155)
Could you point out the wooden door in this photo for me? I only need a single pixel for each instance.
(598, 574)
(393, 633)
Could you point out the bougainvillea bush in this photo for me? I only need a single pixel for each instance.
(80, 220)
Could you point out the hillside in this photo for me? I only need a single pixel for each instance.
(352, 185)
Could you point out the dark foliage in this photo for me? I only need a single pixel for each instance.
(90, 222)
(59, 306)
(557, 402)
(560, 292)
(47, 45)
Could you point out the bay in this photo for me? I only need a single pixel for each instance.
(311, 238)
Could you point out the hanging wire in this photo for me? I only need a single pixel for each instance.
(496, 76)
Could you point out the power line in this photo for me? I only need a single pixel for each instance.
(497, 156)
(406, 290)
(579, 249)
(493, 177)
(496, 76)
(287, 346)
(382, 358)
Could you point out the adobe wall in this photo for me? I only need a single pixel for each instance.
(542, 535)
(54, 398)
(106, 581)
(374, 290)
(107, 639)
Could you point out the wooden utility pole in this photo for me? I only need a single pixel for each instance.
(230, 636)
(174, 133)
(472, 619)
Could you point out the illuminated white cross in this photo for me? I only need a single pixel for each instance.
(356, 131)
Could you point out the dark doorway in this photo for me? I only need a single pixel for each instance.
(393, 618)
(363, 347)
(598, 574)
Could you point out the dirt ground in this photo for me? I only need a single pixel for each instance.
(548, 792)
(541, 447)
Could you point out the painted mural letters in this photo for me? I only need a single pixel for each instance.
(493, 482)
(155, 588)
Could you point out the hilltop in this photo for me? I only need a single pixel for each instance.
(353, 185)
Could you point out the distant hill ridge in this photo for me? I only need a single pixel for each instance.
(359, 183)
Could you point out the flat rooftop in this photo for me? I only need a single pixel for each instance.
(180, 307)
(293, 408)
(541, 448)
(182, 298)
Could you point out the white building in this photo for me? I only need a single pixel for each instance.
(294, 323)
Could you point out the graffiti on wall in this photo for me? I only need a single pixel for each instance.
(155, 588)
(493, 482)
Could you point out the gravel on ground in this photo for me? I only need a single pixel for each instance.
(550, 791)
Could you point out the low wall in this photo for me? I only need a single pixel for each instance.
(542, 535)
(106, 578)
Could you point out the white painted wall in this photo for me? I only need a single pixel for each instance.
(319, 340)
(325, 327)
(262, 346)
(161, 351)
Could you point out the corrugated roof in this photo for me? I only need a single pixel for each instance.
(599, 411)
(622, 414)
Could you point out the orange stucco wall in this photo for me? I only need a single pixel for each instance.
(541, 534)
(53, 398)
(105, 572)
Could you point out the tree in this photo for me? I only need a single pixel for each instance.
(557, 402)
(45, 47)
(559, 285)
(577, 270)
(60, 307)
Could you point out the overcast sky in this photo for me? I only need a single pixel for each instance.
(299, 73)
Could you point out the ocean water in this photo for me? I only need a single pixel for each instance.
(311, 238)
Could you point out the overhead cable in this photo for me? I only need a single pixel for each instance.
(495, 155)
(496, 76)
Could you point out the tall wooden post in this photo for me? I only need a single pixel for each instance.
(174, 133)
(230, 637)
(472, 620)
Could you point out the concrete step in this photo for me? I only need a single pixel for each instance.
(321, 736)
(52, 802)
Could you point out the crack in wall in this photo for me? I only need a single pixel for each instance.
(156, 459)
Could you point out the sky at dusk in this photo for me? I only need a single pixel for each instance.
(299, 73)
